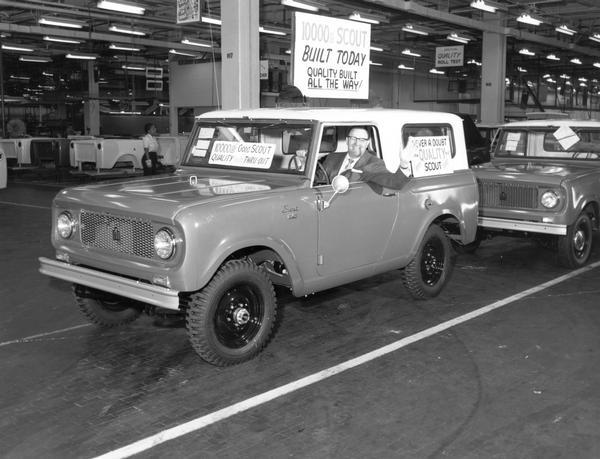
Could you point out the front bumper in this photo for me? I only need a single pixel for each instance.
(519, 225)
(128, 288)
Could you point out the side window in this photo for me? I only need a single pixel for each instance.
(428, 132)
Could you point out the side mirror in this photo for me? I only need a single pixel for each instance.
(340, 184)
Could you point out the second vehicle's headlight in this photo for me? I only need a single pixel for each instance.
(164, 243)
(65, 225)
(550, 199)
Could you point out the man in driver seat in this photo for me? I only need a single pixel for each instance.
(360, 164)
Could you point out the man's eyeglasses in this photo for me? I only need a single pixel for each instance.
(352, 139)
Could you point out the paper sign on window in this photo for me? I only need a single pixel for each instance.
(246, 154)
(512, 141)
(431, 155)
(566, 137)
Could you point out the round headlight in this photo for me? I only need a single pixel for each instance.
(164, 243)
(65, 225)
(550, 199)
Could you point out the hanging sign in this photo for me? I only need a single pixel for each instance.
(449, 56)
(331, 57)
(188, 11)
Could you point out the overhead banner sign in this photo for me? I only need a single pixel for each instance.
(331, 57)
(188, 11)
(449, 56)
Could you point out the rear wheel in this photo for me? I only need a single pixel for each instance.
(231, 319)
(575, 247)
(428, 272)
(105, 309)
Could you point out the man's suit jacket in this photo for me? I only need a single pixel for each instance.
(367, 161)
(373, 172)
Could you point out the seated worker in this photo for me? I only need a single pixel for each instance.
(360, 164)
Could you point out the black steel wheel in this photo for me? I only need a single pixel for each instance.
(105, 309)
(575, 247)
(231, 319)
(428, 272)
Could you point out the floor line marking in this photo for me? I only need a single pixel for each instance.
(9, 203)
(42, 335)
(260, 399)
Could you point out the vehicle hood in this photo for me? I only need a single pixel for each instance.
(166, 195)
(532, 171)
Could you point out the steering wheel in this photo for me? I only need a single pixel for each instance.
(296, 163)
(321, 177)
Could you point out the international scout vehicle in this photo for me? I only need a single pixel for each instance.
(544, 181)
(249, 207)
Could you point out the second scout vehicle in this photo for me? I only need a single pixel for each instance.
(250, 207)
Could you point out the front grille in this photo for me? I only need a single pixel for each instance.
(507, 195)
(117, 234)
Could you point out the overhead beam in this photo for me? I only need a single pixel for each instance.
(100, 36)
(411, 7)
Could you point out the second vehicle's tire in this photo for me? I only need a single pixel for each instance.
(427, 273)
(231, 319)
(105, 309)
(575, 247)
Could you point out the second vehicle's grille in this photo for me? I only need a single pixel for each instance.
(117, 234)
(511, 195)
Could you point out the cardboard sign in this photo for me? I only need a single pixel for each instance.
(431, 155)
(242, 154)
(449, 56)
(331, 57)
(188, 11)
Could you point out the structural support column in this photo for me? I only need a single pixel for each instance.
(91, 111)
(493, 76)
(240, 54)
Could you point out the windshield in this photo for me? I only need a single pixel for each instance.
(250, 145)
(564, 143)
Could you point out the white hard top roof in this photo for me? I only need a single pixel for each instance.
(332, 114)
(554, 122)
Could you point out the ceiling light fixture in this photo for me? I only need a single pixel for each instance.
(456, 37)
(211, 20)
(483, 6)
(71, 41)
(436, 71)
(123, 7)
(564, 76)
(127, 30)
(526, 18)
(575, 60)
(595, 37)
(376, 64)
(197, 42)
(408, 52)
(553, 57)
(368, 18)
(582, 79)
(526, 52)
(124, 48)
(474, 62)
(82, 56)
(521, 69)
(300, 5)
(20, 48)
(181, 53)
(376, 48)
(35, 59)
(404, 67)
(20, 78)
(133, 67)
(596, 64)
(564, 29)
(60, 22)
(412, 29)
(550, 80)
(271, 31)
